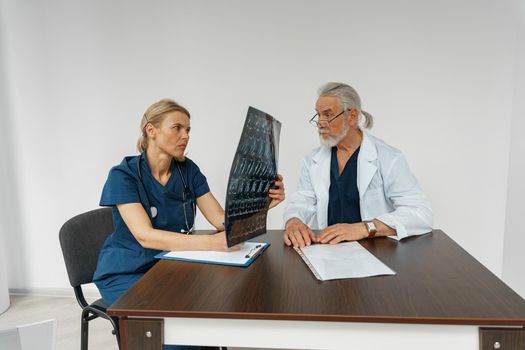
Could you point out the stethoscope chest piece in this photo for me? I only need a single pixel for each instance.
(153, 212)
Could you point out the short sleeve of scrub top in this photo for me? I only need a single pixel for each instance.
(120, 188)
(200, 184)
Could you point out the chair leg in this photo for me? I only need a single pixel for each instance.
(84, 330)
(115, 324)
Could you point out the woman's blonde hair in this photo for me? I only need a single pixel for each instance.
(155, 115)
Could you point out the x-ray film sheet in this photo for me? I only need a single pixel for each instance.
(253, 172)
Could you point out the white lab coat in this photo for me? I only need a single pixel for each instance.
(388, 191)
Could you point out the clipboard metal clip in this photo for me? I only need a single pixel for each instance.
(253, 251)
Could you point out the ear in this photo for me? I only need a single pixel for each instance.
(353, 116)
(151, 131)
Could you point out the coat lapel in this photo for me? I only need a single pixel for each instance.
(321, 170)
(365, 164)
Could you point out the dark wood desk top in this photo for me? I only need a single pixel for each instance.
(437, 282)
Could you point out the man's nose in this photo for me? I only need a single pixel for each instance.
(323, 124)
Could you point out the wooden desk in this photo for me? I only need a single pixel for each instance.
(438, 299)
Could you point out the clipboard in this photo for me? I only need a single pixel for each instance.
(242, 258)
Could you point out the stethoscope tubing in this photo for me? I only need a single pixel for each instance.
(185, 194)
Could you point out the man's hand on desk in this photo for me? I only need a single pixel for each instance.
(343, 232)
(296, 233)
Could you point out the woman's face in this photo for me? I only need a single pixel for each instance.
(173, 134)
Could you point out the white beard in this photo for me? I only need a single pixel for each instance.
(334, 140)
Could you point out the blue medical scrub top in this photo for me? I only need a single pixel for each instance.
(122, 260)
(343, 197)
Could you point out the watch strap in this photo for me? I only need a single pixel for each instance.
(371, 228)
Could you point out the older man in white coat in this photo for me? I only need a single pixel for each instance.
(354, 186)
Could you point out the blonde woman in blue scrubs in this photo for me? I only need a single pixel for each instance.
(154, 197)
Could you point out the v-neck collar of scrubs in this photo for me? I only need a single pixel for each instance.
(146, 169)
(351, 160)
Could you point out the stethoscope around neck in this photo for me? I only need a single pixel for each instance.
(187, 196)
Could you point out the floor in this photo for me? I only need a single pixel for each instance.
(26, 309)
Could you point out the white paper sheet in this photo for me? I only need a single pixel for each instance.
(239, 258)
(343, 260)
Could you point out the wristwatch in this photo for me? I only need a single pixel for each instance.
(371, 228)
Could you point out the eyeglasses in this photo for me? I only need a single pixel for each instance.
(317, 123)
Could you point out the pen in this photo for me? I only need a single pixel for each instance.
(252, 250)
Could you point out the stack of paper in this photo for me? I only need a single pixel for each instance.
(343, 260)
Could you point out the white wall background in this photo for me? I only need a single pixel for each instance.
(514, 244)
(5, 174)
(439, 76)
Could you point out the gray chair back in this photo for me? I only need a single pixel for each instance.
(81, 239)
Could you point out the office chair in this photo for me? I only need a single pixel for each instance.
(35, 336)
(81, 239)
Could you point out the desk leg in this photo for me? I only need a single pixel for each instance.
(501, 338)
(141, 334)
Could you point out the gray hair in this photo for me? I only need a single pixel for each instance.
(349, 99)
